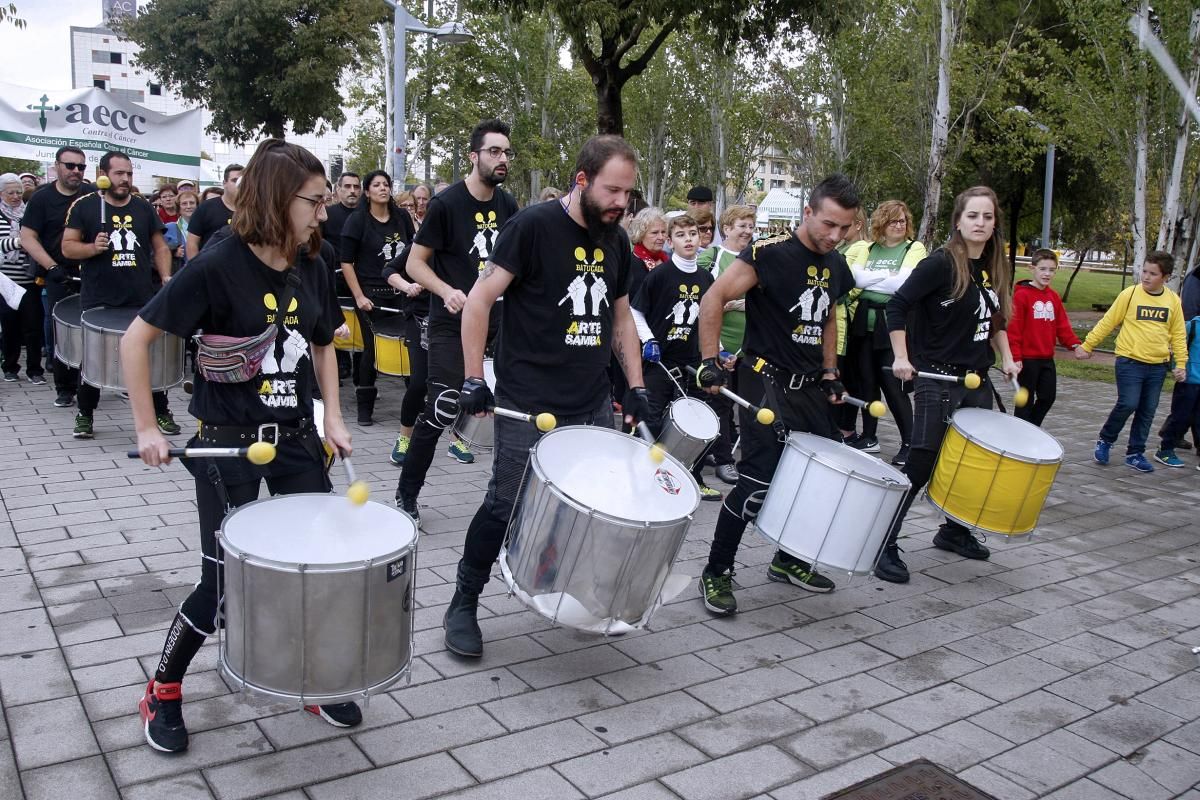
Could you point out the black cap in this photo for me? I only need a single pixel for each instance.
(700, 194)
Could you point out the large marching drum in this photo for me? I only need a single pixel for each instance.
(68, 331)
(101, 363)
(478, 432)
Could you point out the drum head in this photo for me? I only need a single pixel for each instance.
(67, 310)
(845, 458)
(489, 373)
(612, 473)
(1001, 433)
(696, 418)
(109, 319)
(316, 529)
(391, 326)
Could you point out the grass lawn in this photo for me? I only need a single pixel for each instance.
(1091, 371)
(1089, 287)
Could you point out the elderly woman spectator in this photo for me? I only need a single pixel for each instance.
(705, 224)
(22, 326)
(648, 234)
(420, 195)
(549, 193)
(406, 203)
(29, 182)
(168, 203)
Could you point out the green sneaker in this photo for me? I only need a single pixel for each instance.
(717, 591)
(1169, 458)
(709, 493)
(460, 452)
(83, 427)
(399, 451)
(166, 423)
(799, 573)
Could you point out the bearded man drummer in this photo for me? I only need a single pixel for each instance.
(563, 269)
(792, 283)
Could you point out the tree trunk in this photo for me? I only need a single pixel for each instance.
(389, 132)
(941, 126)
(610, 116)
(837, 119)
(1078, 265)
(1141, 146)
(1014, 215)
(1167, 229)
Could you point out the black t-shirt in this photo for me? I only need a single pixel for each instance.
(369, 245)
(124, 274)
(557, 327)
(796, 292)
(670, 301)
(46, 215)
(209, 217)
(331, 228)
(227, 290)
(461, 231)
(945, 330)
(413, 306)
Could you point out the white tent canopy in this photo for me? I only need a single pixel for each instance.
(782, 205)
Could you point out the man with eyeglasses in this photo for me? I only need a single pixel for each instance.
(448, 253)
(41, 237)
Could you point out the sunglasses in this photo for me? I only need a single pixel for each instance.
(73, 165)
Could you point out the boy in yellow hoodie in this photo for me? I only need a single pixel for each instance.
(1152, 330)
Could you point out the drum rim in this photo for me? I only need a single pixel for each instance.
(83, 322)
(883, 483)
(558, 490)
(341, 566)
(1005, 453)
(66, 303)
(975, 526)
(694, 401)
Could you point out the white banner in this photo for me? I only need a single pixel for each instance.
(34, 124)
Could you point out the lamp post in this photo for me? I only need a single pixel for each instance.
(1048, 188)
(450, 33)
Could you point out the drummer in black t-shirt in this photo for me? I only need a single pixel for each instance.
(372, 236)
(563, 269)
(118, 255)
(214, 214)
(956, 304)
(791, 283)
(449, 251)
(236, 288)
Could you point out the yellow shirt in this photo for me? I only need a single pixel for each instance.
(1152, 327)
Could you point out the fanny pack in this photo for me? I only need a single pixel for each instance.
(237, 359)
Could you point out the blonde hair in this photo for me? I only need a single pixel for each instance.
(883, 216)
(731, 215)
(643, 221)
(994, 261)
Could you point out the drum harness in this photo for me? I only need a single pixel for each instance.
(779, 380)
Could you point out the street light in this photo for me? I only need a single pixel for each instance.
(1048, 191)
(450, 33)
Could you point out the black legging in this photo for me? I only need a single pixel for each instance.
(418, 361)
(873, 374)
(363, 363)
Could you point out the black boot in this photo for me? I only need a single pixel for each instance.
(462, 629)
(366, 404)
(958, 539)
(890, 567)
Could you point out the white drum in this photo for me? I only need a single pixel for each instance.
(319, 597)
(599, 526)
(689, 427)
(830, 504)
(479, 432)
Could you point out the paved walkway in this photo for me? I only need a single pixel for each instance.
(1061, 668)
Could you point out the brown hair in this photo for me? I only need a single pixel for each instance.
(682, 221)
(188, 193)
(1043, 255)
(276, 173)
(993, 252)
(731, 215)
(1165, 261)
(889, 210)
(702, 216)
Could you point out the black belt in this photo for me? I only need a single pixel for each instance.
(243, 435)
(784, 379)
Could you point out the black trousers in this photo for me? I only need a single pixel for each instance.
(1185, 414)
(934, 402)
(722, 448)
(1040, 377)
(66, 379)
(22, 327)
(362, 364)
(418, 359)
(88, 399)
(806, 410)
(872, 366)
(443, 382)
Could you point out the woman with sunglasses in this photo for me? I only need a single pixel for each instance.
(236, 288)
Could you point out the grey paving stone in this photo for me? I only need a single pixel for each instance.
(538, 784)
(936, 707)
(1100, 686)
(32, 677)
(190, 786)
(665, 644)
(758, 622)
(651, 790)
(25, 631)
(552, 704)
(50, 732)
(1128, 781)
(1124, 728)
(983, 778)
(997, 645)
(660, 677)
(274, 772)
(629, 764)
(1037, 767)
(573, 666)
(837, 662)
(831, 743)
(956, 746)
(18, 592)
(909, 610)
(1012, 678)
(750, 653)
(526, 750)
(82, 779)
(645, 717)
(427, 735)
(1084, 789)
(1180, 696)
(925, 669)
(1139, 631)
(747, 688)
(412, 780)
(839, 698)
(436, 696)
(744, 728)
(499, 654)
(740, 775)
(837, 630)
(1081, 652)
(1061, 623)
(205, 749)
(1029, 717)
(290, 730)
(831, 780)
(915, 638)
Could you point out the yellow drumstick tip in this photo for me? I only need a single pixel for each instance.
(1021, 397)
(358, 493)
(260, 453)
(545, 421)
(876, 408)
(765, 416)
(972, 381)
(103, 182)
(657, 453)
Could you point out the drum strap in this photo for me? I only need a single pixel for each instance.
(214, 477)
(770, 390)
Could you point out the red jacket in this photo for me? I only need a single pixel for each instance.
(1038, 319)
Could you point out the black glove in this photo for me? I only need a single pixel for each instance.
(710, 374)
(636, 404)
(475, 397)
(832, 388)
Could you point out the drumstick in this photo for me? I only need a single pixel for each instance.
(1020, 393)
(656, 450)
(377, 308)
(102, 184)
(545, 421)
(258, 453)
(682, 393)
(765, 416)
(875, 408)
(971, 380)
(358, 492)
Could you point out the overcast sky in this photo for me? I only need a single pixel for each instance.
(39, 56)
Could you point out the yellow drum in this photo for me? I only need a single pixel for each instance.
(354, 342)
(391, 354)
(994, 471)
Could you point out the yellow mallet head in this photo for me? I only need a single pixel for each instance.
(765, 416)
(972, 381)
(1021, 397)
(876, 408)
(657, 453)
(358, 493)
(260, 453)
(103, 183)
(545, 421)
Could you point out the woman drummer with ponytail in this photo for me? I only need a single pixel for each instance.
(262, 298)
(959, 299)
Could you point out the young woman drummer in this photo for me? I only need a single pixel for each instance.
(959, 298)
(235, 290)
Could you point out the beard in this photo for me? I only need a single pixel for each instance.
(492, 179)
(118, 192)
(593, 215)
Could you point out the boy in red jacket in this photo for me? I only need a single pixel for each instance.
(1038, 319)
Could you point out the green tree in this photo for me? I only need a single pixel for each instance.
(365, 148)
(9, 14)
(19, 165)
(257, 65)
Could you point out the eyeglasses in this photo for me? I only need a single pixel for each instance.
(316, 203)
(73, 165)
(903, 222)
(496, 152)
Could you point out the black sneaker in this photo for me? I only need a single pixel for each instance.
(868, 444)
(901, 457)
(891, 567)
(961, 542)
(717, 592)
(37, 380)
(161, 710)
(799, 573)
(83, 427)
(64, 400)
(167, 424)
(339, 715)
(10, 377)
(408, 505)
(1183, 444)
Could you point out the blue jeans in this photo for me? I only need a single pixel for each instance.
(1139, 385)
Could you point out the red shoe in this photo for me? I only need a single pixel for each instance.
(339, 715)
(161, 710)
